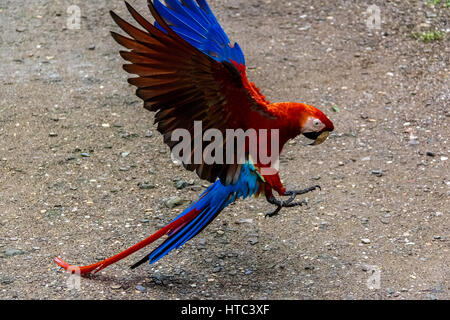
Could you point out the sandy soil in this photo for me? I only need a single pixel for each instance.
(68, 118)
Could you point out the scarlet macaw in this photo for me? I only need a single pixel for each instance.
(189, 71)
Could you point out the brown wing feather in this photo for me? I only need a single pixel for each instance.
(183, 85)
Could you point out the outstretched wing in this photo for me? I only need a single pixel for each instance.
(184, 84)
(195, 23)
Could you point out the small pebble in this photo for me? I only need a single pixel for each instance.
(181, 184)
(377, 173)
(140, 288)
(174, 202)
(242, 221)
(431, 296)
(146, 186)
(13, 252)
(6, 280)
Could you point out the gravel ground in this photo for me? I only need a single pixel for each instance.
(84, 174)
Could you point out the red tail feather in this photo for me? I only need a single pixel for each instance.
(96, 267)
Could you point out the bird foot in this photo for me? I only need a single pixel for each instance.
(289, 203)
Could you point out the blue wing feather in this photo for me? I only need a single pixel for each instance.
(195, 22)
(183, 10)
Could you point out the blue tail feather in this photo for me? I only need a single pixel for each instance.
(209, 205)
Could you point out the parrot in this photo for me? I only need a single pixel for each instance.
(188, 70)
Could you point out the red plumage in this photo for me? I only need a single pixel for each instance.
(182, 85)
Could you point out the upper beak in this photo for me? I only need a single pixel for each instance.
(318, 137)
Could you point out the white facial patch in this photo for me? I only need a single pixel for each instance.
(313, 125)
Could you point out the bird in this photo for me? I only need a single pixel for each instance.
(187, 70)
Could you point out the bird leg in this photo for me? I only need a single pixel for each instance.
(294, 193)
(289, 203)
(283, 204)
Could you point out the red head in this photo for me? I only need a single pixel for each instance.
(309, 121)
(315, 125)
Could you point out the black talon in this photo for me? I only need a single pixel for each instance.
(288, 203)
(283, 204)
(299, 192)
(274, 213)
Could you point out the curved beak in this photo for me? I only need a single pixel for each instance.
(318, 137)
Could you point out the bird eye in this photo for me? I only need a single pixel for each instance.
(317, 122)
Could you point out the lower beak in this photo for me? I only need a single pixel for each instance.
(321, 138)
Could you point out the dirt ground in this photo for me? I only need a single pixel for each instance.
(84, 174)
